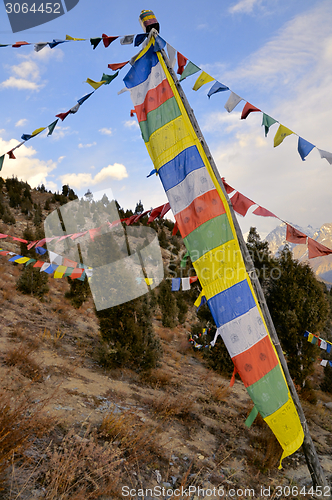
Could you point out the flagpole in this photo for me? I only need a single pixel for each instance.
(313, 464)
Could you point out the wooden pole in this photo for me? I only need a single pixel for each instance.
(315, 469)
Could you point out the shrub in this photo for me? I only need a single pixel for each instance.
(33, 282)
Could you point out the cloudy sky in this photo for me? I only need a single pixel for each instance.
(275, 54)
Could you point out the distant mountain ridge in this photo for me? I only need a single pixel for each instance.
(322, 266)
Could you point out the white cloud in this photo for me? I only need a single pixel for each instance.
(116, 171)
(26, 166)
(131, 124)
(106, 131)
(20, 84)
(27, 74)
(86, 145)
(277, 178)
(245, 6)
(21, 122)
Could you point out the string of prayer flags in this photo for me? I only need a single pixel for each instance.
(202, 80)
(217, 87)
(248, 108)
(315, 339)
(19, 44)
(183, 283)
(268, 122)
(282, 132)
(232, 102)
(189, 70)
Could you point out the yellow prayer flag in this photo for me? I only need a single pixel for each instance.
(199, 299)
(310, 337)
(202, 79)
(22, 260)
(60, 271)
(94, 84)
(37, 131)
(75, 39)
(282, 132)
(149, 281)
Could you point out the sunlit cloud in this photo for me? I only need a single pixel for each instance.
(106, 131)
(80, 180)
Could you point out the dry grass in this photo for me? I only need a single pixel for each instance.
(157, 378)
(32, 342)
(265, 451)
(137, 440)
(22, 421)
(168, 406)
(24, 362)
(78, 468)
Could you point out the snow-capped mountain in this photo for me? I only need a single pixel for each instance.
(322, 266)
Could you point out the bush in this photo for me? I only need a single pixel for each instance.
(33, 282)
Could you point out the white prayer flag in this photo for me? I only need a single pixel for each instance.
(185, 284)
(232, 102)
(326, 155)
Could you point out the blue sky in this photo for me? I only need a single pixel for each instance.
(275, 54)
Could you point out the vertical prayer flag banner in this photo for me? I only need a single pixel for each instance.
(205, 222)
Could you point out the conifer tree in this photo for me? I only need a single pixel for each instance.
(297, 303)
(167, 304)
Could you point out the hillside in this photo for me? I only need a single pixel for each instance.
(72, 429)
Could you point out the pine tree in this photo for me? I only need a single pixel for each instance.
(262, 259)
(167, 304)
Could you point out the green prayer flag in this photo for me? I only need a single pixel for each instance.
(253, 414)
(1, 161)
(184, 260)
(190, 69)
(52, 127)
(95, 41)
(68, 272)
(267, 122)
(314, 340)
(108, 78)
(30, 261)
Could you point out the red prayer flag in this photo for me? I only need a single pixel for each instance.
(295, 236)
(241, 203)
(11, 155)
(317, 249)
(182, 61)
(69, 263)
(63, 115)
(132, 112)
(31, 244)
(193, 279)
(77, 235)
(248, 108)
(77, 273)
(131, 219)
(137, 218)
(263, 212)
(175, 229)
(94, 232)
(19, 44)
(165, 209)
(19, 239)
(155, 212)
(3, 235)
(227, 187)
(107, 40)
(39, 263)
(116, 66)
